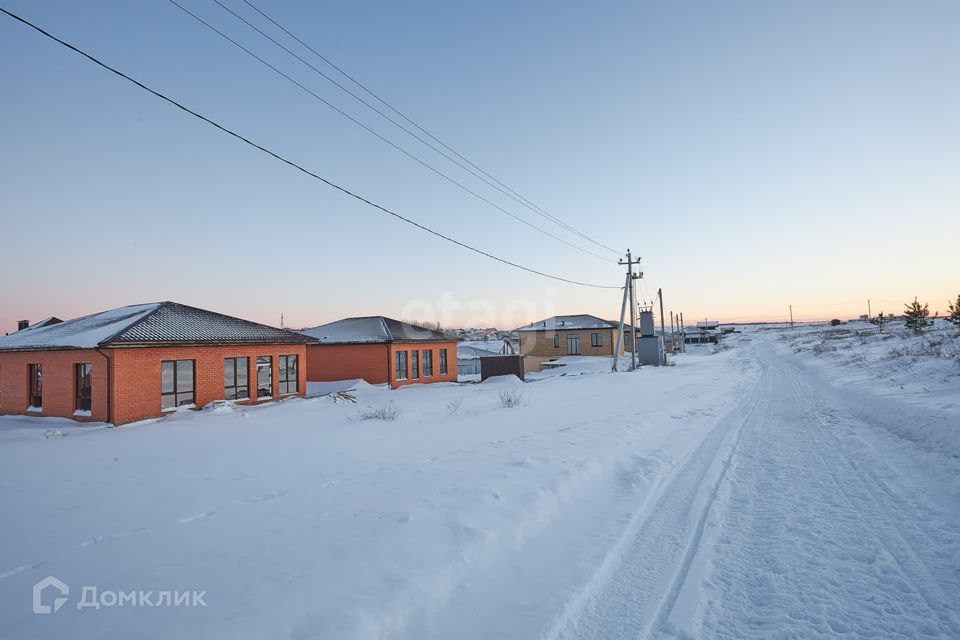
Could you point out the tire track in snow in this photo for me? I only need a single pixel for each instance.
(640, 577)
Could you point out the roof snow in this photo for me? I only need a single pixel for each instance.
(372, 329)
(466, 352)
(157, 322)
(563, 323)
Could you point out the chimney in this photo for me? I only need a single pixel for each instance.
(22, 324)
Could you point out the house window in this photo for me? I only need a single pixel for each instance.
(401, 365)
(596, 339)
(556, 341)
(443, 362)
(414, 364)
(176, 384)
(36, 386)
(264, 376)
(288, 375)
(235, 373)
(84, 393)
(427, 363)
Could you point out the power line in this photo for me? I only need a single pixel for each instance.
(290, 162)
(503, 187)
(476, 173)
(378, 135)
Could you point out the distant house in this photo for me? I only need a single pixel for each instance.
(142, 361)
(379, 350)
(468, 358)
(573, 335)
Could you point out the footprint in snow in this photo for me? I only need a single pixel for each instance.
(263, 498)
(197, 517)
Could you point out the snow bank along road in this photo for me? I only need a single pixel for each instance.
(735, 495)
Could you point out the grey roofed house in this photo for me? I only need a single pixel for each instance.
(372, 330)
(574, 322)
(156, 323)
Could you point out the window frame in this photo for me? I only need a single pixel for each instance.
(83, 371)
(596, 339)
(414, 364)
(426, 363)
(236, 386)
(400, 356)
(177, 392)
(574, 339)
(284, 374)
(264, 360)
(35, 385)
(556, 341)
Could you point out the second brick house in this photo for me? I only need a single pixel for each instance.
(143, 361)
(380, 350)
(572, 335)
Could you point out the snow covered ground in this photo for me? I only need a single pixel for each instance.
(750, 492)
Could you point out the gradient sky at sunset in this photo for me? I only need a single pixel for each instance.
(755, 154)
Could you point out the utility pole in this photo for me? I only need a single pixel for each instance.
(869, 314)
(623, 310)
(662, 331)
(791, 316)
(631, 276)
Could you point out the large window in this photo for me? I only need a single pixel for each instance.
(235, 373)
(36, 386)
(401, 357)
(573, 345)
(427, 363)
(556, 341)
(176, 383)
(414, 364)
(264, 376)
(288, 375)
(84, 391)
(443, 362)
(596, 339)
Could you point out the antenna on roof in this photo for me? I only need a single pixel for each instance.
(281, 320)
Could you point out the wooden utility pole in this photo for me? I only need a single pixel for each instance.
(791, 316)
(683, 334)
(662, 332)
(869, 314)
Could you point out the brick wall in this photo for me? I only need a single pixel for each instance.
(368, 362)
(136, 393)
(59, 382)
(136, 378)
(540, 343)
(435, 348)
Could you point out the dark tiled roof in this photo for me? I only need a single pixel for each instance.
(567, 323)
(172, 322)
(372, 330)
(153, 323)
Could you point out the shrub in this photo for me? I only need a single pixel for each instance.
(917, 316)
(835, 322)
(511, 398)
(388, 412)
(454, 406)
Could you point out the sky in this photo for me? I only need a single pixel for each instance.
(755, 155)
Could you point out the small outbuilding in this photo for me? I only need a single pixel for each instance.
(380, 350)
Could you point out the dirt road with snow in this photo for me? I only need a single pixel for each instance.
(801, 515)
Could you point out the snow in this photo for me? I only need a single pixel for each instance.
(86, 332)
(744, 492)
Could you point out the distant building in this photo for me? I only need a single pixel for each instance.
(468, 358)
(142, 361)
(559, 336)
(380, 350)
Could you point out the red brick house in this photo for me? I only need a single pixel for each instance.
(380, 350)
(145, 360)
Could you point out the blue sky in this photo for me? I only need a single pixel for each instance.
(755, 154)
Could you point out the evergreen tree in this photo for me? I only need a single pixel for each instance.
(954, 308)
(918, 316)
(880, 320)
